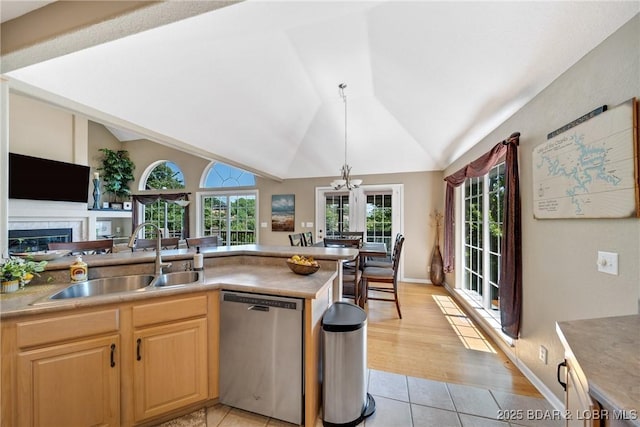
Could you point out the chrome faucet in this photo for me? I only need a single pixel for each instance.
(159, 263)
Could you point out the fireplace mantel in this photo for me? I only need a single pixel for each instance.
(36, 214)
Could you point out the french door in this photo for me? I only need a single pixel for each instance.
(374, 209)
(232, 216)
(483, 199)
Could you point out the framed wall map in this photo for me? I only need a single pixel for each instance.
(591, 170)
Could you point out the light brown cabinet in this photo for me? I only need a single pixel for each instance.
(119, 365)
(68, 376)
(170, 356)
(76, 384)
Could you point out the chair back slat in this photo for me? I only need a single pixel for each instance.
(308, 238)
(150, 244)
(202, 242)
(87, 247)
(296, 239)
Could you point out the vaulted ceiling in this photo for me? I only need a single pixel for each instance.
(257, 81)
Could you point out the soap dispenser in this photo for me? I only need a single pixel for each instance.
(198, 262)
(79, 270)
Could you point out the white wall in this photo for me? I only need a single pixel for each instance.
(560, 280)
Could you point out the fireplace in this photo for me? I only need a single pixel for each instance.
(37, 239)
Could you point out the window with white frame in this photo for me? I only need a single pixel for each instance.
(168, 216)
(232, 216)
(483, 228)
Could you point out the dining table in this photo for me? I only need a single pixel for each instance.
(368, 249)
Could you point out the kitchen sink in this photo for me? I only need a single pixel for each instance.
(104, 286)
(122, 284)
(177, 278)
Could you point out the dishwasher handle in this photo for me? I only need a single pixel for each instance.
(258, 308)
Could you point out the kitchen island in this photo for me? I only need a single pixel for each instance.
(33, 335)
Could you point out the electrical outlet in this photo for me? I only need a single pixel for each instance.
(542, 354)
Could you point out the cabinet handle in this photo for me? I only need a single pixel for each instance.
(562, 383)
(113, 353)
(138, 344)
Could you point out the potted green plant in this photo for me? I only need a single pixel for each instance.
(12, 271)
(17, 272)
(117, 172)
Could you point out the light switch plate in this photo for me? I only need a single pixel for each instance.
(263, 225)
(310, 225)
(608, 262)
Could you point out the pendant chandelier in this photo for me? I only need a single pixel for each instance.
(345, 180)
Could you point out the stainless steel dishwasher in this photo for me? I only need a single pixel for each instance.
(261, 358)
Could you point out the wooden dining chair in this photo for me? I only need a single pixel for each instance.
(351, 273)
(353, 235)
(296, 239)
(88, 247)
(333, 242)
(308, 238)
(383, 264)
(202, 242)
(383, 277)
(150, 244)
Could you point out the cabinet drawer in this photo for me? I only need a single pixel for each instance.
(64, 328)
(168, 311)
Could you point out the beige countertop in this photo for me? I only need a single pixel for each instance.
(255, 268)
(608, 353)
(127, 257)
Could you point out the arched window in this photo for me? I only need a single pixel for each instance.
(165, 175)
(221, 175)
(169, 215)
(231, 215)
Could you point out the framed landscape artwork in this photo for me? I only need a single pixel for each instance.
(283, 208)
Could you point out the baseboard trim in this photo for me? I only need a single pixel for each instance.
(507, 349)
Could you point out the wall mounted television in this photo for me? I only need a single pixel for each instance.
(43, 179)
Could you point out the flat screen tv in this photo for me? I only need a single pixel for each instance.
(43, 179)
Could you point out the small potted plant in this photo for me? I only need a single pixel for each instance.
(12, 271)
(17, 272)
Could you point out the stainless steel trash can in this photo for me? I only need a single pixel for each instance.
(344, 356)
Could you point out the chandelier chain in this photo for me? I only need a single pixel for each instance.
(345, 180)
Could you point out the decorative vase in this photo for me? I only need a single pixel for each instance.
(96, 193)
(437, 273)
(10, 286)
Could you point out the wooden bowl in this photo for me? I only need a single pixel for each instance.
(302, 269)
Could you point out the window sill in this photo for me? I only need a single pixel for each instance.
(490, 318)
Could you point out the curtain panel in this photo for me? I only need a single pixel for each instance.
(511, 264)
(147, 199)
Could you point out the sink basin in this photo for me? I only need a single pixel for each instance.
(177, 278)
(103, 286)
(120, 284)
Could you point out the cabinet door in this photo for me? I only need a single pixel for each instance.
(580, 407)
(170, 367)
(75, 384)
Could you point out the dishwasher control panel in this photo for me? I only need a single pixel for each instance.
(256, 300)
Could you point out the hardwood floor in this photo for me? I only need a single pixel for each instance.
(425, 344)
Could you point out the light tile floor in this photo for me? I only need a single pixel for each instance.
(403, 401)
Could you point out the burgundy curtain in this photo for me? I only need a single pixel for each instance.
(511, 263)
(147, 199)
